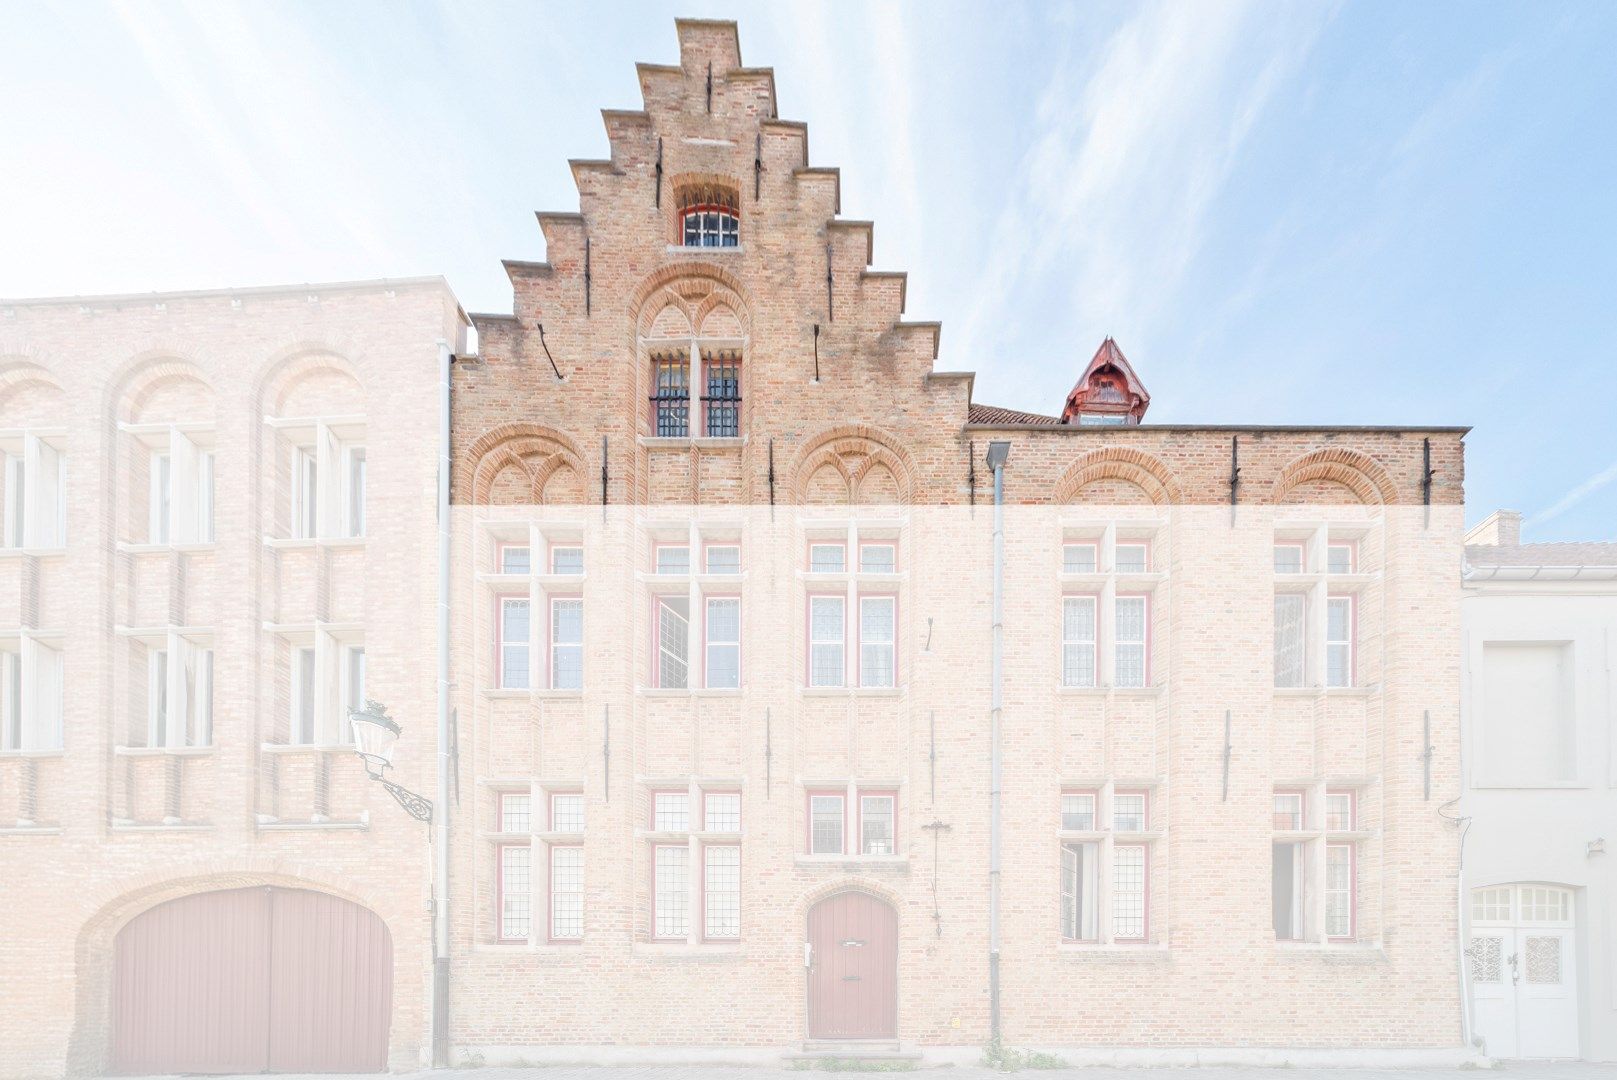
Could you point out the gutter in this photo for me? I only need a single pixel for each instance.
(1538, 573)
(440, 819)
(997, 453)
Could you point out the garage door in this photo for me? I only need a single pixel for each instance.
(252, 980)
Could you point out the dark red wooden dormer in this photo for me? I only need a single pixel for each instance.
(1108, 392)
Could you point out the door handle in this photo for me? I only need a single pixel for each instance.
(852, 943)
(1515, 974)
(852, 978)
(808, 955)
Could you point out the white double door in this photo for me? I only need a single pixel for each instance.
(1522, 960)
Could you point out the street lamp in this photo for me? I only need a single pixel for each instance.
(375, 732)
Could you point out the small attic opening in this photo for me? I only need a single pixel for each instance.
(1107, 393)
(709, 215)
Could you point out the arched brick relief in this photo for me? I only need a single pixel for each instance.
(519, 464)
(89, 1045)
(717, 319)
(672, 322)
(695, 289)
(30, 396)
(1117, 474)
(874, 467)
(163, 390)
(315, 383)
(827, 485)
(1333, 474)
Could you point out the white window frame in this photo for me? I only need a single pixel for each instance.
(721, 881)
(1292, 806)
(1073, 649)
(508, 649)
(1080, 891)
(565, 885)
(814, 563)
(354, 490)
(556, 552)
(1081, 799)
(1341, 906)
(1343, 646)
(304, 724)
(1300, 892)
(35, 512)
(872, 649)
(671, 811)
(515, 813)
(667, 566)
(1144, 566)
(1122, 897)
(505, 561)
(1088, 565)
(669, 618)
(721, 820)
(561, 650)
(1284, 676)
(891, 565)
(1142, 643)
(720, 647)
(707, 559)
(670, 899)
(514, 901)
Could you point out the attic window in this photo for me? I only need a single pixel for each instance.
(1094, 419)
(709, 216)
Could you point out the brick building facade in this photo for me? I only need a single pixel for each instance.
(1226, 732)
(220, 533)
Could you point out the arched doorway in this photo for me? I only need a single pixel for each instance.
(852, 968)
(1522, 960)
(251, 980)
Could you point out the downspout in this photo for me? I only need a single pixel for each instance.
(997, 453)
(440, 819)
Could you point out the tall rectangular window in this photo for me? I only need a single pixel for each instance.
(515, 892)
(877, 637)
(721, 892)
(876, 813)
(35, 496)
(1290, 639)
(160, 502)
(1129, 627)
(305, 493)
(1078, 641)
(16, 501)
(826, 629)
(566, 643)
(723, 643)
(1129, 892)
(673, 642)
(567, 812)
(1078, 891)
(671, 395)
(1339, 641)
(566, 892)
(671, 900)
(514, 637)
(1339, 891)
(723, 397)
(1288, 878)
(303, 695)
(826, 824)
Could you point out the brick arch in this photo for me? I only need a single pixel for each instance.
(852, 450)
(696, 288)
(809, 897)
(1119, 463)
(537, 450)
(294, 366)
(90, 1041)
(148, 376)
(19, 375)
(1353, 469)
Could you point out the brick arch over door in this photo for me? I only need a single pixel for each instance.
(90, 1046)
(520, 464)
(1310, 477)
(1111, 471)
(855, 463)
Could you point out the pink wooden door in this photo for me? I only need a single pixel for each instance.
(252, 980)
(853, 968)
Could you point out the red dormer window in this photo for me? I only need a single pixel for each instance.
(1108, 392)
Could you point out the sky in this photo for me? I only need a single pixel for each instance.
(1292, 212)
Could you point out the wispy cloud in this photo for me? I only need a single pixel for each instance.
(1133, 150)
(1574, 497)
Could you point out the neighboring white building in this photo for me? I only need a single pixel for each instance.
(1540, 773)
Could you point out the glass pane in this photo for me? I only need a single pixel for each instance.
(876, 825)
(1288, 558)
(724, 620)
(567, 560)
(1078, 619)
(673, 645)
(1339, 559)
(673, 560)
(1078, 559)
(514, 813)
(721, 899)
(672, 889)
(825, 818)
(515, 898)
(1128, 813)
(514, 559)
(825, 618)
(1338, 891)
(1289, 640)
(671, 811)
(827, 559)
(877, 559)
(1338, 812)
(1128, 892)
(566, 892)
(723, 811)
(567, 813)
(1131, 558)
(723, 559)
(1078, 812)
(1288, 815)
(567, 622)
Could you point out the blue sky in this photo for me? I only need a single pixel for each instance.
(1284, 212)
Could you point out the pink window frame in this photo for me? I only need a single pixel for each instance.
(686, 848)
(1302, 808)
(841, 795)
(550, 555)
(550, 911)
(1092, 545)
(1302, 555)
(809, 642)
(691, 633)
(863, 544)
(1353, 637)
(707, 794)
(691, 393)
(808, 556)
(657, 547)
(550, 806)
(1129, 541)
(874, 793)
(499, 638)
(1353, 889)
(500, 547)
(740, 636)
(1145, 894)
(1094, 809)
(1145, 807)
(499, 812)
(1094, 637)
(1060, 884)
(858, 630)
(708, 545)
(703, 208)
(699, 397)
(1145, 681)
(1353, 809)
(549, 681)
(701, 904)
(499, 894)
(651, 816)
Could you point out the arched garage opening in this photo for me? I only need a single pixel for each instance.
(262, 979)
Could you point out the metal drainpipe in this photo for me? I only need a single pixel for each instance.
(440, 818)
(997, 453)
